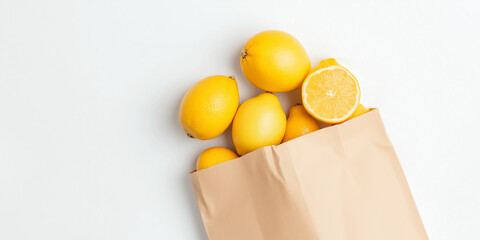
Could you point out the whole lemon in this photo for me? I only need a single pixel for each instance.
(359, 111)
(214, 156)
(259, 122)
(208, 108)
(299, 123)
(275, 61)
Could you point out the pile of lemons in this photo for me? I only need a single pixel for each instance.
(273, 61)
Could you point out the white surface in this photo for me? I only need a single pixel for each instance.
(90, 147)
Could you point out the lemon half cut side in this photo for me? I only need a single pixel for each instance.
(330, 93)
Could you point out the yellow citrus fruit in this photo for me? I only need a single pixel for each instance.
(275, 61)
(330, 93)
(299, 123)
(208, 108)
(260, 122)
(359, 111)
(214, 156)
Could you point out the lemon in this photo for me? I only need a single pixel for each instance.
(208, 108)
(260, 122)
(359, 111)
(213, 156)
(299, 123)
(275, 61)
(330, 93)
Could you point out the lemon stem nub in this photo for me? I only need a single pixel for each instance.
(244, 53)
(298, 104)
(232, 77)
(190, 136)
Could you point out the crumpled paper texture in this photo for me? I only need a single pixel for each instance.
(342, 182)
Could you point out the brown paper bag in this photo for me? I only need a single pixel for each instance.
(342, 182)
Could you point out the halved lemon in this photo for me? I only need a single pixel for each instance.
(330, 93)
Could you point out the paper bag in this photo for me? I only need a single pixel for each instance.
(342, 182)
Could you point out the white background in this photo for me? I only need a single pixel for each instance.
(90, 145)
